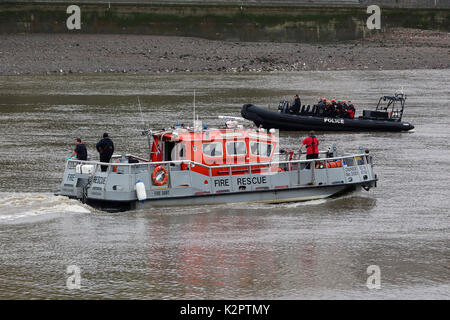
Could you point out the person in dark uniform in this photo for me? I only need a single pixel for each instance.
(321, 107)
(316, 107)
(345, 105)
(350, 112)
(295, 108)
(331, 109)
(340, 109)
(106, 149)
(80, 150)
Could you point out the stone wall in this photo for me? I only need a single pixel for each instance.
(290, 3)
(238, 23)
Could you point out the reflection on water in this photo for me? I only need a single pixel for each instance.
(316, 249)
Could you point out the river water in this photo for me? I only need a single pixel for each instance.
(312, 250)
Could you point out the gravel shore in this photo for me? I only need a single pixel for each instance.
(114, 53)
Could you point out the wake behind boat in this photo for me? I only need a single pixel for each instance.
(387, 116)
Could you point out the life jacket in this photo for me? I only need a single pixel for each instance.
(351, 110)
(313, 146)
(352, 114)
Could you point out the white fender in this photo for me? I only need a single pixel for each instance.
(87, 168)
(140, 191)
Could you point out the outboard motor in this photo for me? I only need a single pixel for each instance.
(284, 106)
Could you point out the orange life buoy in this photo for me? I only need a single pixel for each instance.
(156, 175)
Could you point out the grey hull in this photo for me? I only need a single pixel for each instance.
(275, 182)
(277, 196)
(269, 196)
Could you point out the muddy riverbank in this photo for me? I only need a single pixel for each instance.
(396, 49)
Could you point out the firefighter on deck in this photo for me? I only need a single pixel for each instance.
(312, 146)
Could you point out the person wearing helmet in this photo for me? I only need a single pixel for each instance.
(344, 104)
(331, 108)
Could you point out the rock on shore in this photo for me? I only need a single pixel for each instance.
(115, 53)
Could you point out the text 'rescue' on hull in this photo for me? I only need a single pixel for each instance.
(196, 166)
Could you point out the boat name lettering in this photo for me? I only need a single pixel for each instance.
(221, 183)
(70, 177)
(351, 171)
(333, 120)
(253, 180)
(99, 180)
(161, 193)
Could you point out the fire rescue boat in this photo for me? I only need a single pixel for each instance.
(196, 166)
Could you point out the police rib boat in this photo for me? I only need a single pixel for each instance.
(387, 116)
(192, 166)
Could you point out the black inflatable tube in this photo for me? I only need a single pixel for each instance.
(291, 122)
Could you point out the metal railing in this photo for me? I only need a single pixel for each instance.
(251, 168)
(190, 162)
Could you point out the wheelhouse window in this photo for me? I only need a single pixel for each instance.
(212, 149)
(260, 149)
(236, 148)
(179, 151)
(349, 162)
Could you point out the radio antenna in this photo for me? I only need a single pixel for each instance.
(147, 131)
(142, 116)
(194, 110)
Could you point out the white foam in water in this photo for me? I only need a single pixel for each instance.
(256, 206)
(305, 203)
(18, 206)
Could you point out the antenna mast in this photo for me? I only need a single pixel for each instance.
(146, 131)
(193, 124)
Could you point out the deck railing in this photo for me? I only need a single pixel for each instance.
(287, 165)
(254, 168)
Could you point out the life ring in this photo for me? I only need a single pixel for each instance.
(156, 174)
